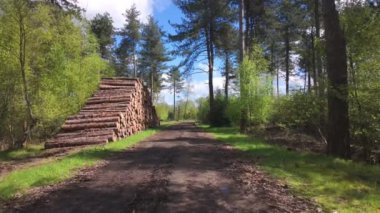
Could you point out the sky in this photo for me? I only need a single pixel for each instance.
(162, 11)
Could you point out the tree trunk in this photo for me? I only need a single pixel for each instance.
(313, 62)
(338, 121)
(30, 122)
(151, 86)
(320, 86)
(287, 59)
(210, 58)
(174, 91)
(241, 31)
(227, 73)
(277, 82)
(244, 111)
(319, 79)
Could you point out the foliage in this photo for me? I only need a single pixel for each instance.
(163, 110)
(364, 68)
(203, 110)
(153, 56)
(219, 117)
(186, 110)
(255, 87)
(102, 27)
(297, 110)
(62, 67)
(233, 110)
(130, 38)
(336, 184)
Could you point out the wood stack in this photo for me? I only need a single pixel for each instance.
(120, 108)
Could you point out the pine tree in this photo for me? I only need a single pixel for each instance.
(127, 51)
(227, 49)
(176, 84)
(102, 27)
(197, 34)
(153, 56)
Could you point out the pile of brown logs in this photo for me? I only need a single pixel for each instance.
(120, 108)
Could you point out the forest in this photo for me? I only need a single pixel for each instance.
(265, 46)
(295, 126)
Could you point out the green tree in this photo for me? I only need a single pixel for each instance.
(48, 59)
(197, 34)
(255, 87)
(130, 34)
(153, 56)
(176, 84)
(102, 27)
(364, 72)
(227, 49)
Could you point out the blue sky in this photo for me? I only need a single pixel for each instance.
(163, 11)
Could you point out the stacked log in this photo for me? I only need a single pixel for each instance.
(121, 107)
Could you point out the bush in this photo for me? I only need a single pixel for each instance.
(233, 110)
(163, 110)
(297, 110)
(219, 117)
(203, 110)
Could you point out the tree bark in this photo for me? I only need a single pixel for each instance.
(241, 31)
(287, 59)
(244, 111)
(227, 76)
(30, 122)
(338, 121)
(210, 58)
(174, 92)
(319, 79)
(277, 82)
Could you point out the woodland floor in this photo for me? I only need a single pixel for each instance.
(181, 169)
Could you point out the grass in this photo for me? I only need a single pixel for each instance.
(336, 184)
(30, 151)
(20, 181)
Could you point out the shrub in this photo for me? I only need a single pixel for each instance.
(297, 110)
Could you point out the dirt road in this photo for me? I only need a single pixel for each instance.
(181, 169)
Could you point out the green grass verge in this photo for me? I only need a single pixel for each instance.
(19, 181)
(29, 151)
(334, 183)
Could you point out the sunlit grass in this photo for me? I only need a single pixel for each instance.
(19, 181)
(336, 184)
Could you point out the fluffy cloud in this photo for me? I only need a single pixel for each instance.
(116, 8)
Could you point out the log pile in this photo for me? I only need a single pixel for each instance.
(121, 107)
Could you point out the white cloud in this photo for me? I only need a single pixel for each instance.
(116, 8)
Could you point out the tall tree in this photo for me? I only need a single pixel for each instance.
(127, 51)
(338, 122)
(291, 17)
(244, 111)
(176, 84)
(227, 46)
(197, 34)
(21, 14)
(102, 27)
(153, 56)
